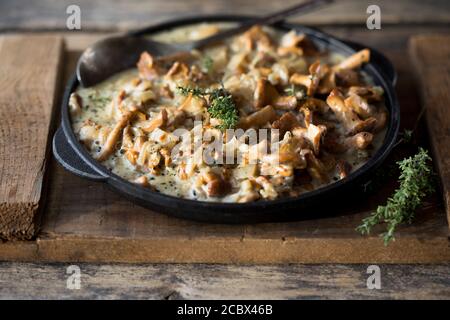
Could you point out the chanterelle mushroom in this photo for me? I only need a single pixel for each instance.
(263, 93)
(360, 140)
(110, 144)
(266, 94)
(287, 122)
(216, 185)
(258, 118)
(257, 37)
(178, 70)
(370, 93)
(354, 61)
(312, 133)
(349, 118)
(360, 106)
(298, 44)
(315, 167)
(159, 121)
(289, 43)
(346, 78)
(75, 104)
(316, 72)
(146, 67)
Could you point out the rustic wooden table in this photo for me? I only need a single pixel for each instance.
(400, 20)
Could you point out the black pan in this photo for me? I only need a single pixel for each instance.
(76, 159)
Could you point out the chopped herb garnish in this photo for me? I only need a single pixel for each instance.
(297, 91)
(221, 105)
(207, 64)
(98, 100)
(290, 91)
(416, 182)
(197, 92)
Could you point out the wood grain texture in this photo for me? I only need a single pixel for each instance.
(86, 221)
(120, 15)
(431, 56)
(169, 281)
(198, 281)
(29, 71)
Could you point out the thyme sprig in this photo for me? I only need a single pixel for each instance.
(416, 182)
(196, 91)
(221, 105)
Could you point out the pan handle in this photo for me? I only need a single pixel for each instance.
(70, 160)
(376, 57)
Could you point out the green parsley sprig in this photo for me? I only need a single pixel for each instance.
(416, 182)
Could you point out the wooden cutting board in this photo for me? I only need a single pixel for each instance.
(85, 221)
(431, 55)
(29, 73)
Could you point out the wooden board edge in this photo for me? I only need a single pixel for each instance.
(14, 230)
(18, 251)
(231, 251)
(54, 123)
(413, 44)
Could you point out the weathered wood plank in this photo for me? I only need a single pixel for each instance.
(431, 56)
(18, 250)
(98, 219)
(85, 221)
(121, 15)
(198, 281)
(249, 249)
(29, 73)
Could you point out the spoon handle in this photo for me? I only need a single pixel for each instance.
(272, 18)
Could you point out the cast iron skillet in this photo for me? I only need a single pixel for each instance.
(318, 203)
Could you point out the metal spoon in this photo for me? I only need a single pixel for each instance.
(111, 55)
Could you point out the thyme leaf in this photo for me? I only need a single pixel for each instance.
(296, 91)
(98, 99)
(221, 105)
(416, 182)
(207, 64)
(407, 135)
(196, 91)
